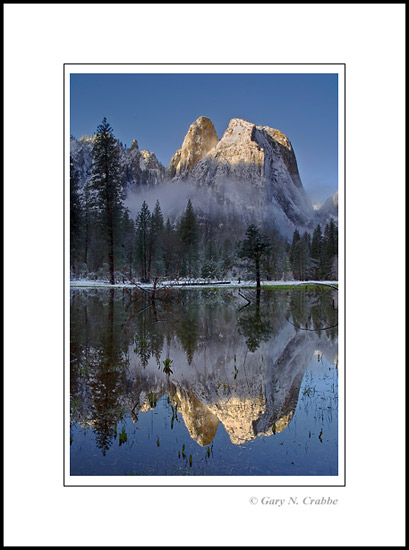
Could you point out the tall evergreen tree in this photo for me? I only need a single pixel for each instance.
(301, 258)
(276, 262)
(255, 246)
(189, 235)
(316, 252)
(76, 219)
(155, 261)
(107, 184)
(87, 222)
(128, 245)
(330, 251)
(143, 230)
(296, 238)
(211, 264)
(171, 246)
(227, 256)
(333, 238)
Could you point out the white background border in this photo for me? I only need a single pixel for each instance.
(39, 38)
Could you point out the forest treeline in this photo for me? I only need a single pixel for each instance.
(106, 243)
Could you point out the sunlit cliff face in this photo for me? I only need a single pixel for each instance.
(251, 172)
(238, 145)
(236, 414)
(199, 140)
(199, 420)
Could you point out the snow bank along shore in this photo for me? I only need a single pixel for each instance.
(193, 283)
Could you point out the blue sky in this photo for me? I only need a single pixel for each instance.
(157, 110)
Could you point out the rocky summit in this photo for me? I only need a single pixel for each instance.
(251, 173)
(200, 139)
(248, 176)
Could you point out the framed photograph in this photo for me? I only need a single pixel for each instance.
(204, 275)
(204, 278)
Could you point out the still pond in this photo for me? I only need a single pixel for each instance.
(204, 382)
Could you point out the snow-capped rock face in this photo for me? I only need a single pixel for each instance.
(237, 145)
(283, 182)
(138, 168)
(199, 140)
(152, 171)
(253, 171)
(248, 176)
(81, 156)
(328, 210)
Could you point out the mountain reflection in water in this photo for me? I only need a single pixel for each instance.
(218, 357)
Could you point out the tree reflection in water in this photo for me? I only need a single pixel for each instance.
(216, 361)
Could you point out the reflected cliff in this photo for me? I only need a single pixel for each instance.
(217, 358)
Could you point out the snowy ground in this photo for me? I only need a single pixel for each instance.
(185, 284)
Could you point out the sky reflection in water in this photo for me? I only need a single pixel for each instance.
(201, 382)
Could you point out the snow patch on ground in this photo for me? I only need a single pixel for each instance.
(191, 284)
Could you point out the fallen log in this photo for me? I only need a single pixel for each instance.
(203, 284)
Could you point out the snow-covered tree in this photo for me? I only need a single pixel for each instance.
(255, 246)
(189, 235)
(107, 184)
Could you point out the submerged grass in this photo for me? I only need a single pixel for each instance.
(284, 286)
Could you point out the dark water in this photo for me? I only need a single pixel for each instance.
(204, 382)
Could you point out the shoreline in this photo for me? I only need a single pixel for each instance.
(171, 284)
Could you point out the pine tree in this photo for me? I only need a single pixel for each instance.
(189, 235)
(316, 252)
(155, 260)
(90, 228)
(128, 245)
(168, 249)
(276, 262)
(171, 246)
(76, 219)
(106, 182)
(188, 327)
(255, 246)
(227, 254)
(330, 251)
(211, 265)
(301, 264)
(333, 238)
(296, 238)
(143, 227)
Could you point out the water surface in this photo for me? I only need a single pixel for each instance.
(204, 382)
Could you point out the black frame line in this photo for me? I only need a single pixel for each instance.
(212, 64)
(64, 264)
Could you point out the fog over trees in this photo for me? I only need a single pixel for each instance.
(108, 243)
